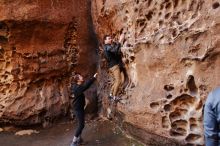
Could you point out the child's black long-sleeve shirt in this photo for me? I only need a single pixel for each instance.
(77, 91)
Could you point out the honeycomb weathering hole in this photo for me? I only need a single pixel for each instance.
(176, 2)
(168, 87)
(183, 1)
(177, 114)
(180, 123)
(160, 22)
(192, 137)
(154, 105)
(215, 5)
(192, 120)
(184, 101)
(175, 133)
(179, 132)
(179, 128)
(191, 85)
(149, 15)
(174, 33)
(168, 6)
(167, 15)
(167, 107)
(161, 7)
(165, 122)
(149, 2)
(169, 96)
(194, 127)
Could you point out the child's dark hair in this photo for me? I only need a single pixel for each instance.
(105, 37)
(75, 77)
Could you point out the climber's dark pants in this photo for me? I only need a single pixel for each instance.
(80, 116)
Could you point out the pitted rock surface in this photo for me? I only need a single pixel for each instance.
(172, 57)
(42, 44)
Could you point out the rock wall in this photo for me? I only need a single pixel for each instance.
(172, 53)
(41, 44)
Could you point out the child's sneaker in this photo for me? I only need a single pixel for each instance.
(74, 141)
(74, 144)
(80, 141)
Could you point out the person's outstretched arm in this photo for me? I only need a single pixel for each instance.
(79, 89)
(88, 83)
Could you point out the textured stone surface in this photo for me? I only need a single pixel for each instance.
(26, 132)
(172, 53)
(42, 44)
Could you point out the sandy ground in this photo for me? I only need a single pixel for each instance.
(96, 133)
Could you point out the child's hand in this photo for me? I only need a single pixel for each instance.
(95, 75)
(121, 38)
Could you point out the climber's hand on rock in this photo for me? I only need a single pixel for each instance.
(95, 75)
(124, 60)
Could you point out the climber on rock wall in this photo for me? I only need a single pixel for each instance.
(113, 55)
(78, 86)
(212, 118)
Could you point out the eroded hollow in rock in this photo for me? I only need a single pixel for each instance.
(165, 122)
(215, 5)
(167, 107)
(168, 87)
(184, 101)
(169, 96)
(191, 85)
(180, 127)
(177, 114)
(192, 137)
(154, 105)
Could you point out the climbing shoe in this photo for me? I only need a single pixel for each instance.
(116, 98)
(111, 98)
